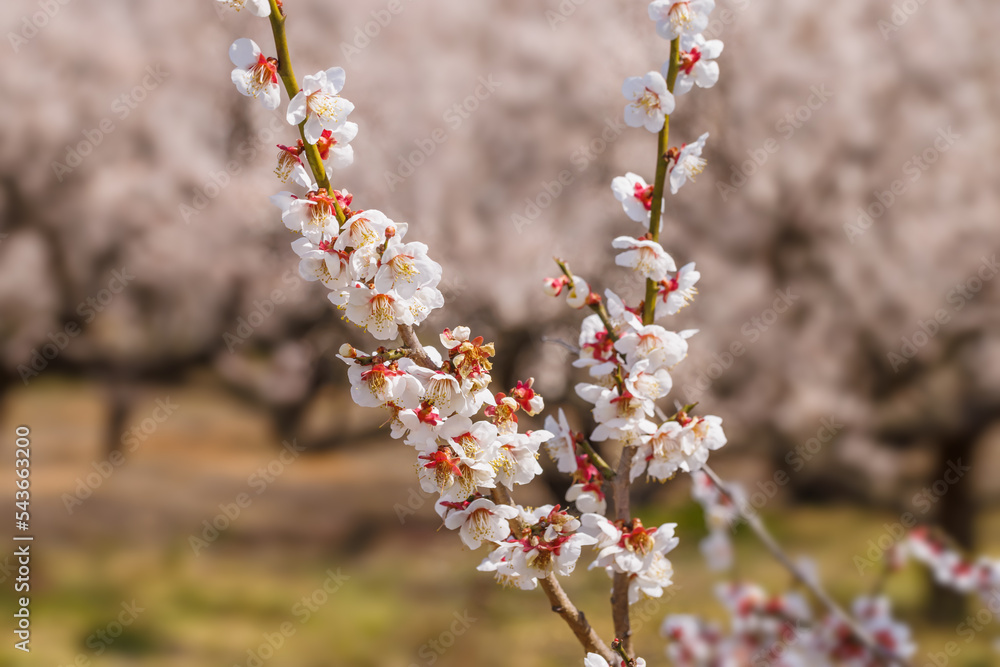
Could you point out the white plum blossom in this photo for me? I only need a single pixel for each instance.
(646, 383)
(313, 216)
(541, 557)
(376, 312)
(260, 8)
(517, 462)
(597, 351)
(717, 550)
(689, 163)
(697, 63)
(662, 348)
(561, 446)
(587, 498)
(405, 267)
(424, 301)
(595, 660)
(649, 101)
(335, 147)
(652, 579)
(501, 562)
(444, 391)
(646, 257)
(364, 229)
(319, 105)
(664, 452)
(374, 385)
(255, 75)
(480, 521)
(638, 547)
(453, 474)
(677, 292)
(322, 263)
(578, 292)
(619, 416)
(635, 195)
(680, 17)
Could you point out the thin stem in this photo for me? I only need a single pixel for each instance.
(287, 75)
(561, 604)
(757, 526)
(606, 471)
(656, 211)
(620, 484)
(619, 583)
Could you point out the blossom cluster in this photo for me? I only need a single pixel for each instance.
(780, 630)
(949, 568)
(467, 443)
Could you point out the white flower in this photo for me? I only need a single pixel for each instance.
(501, 561)
(374, 385)
(652, 579)
(260, 8)
(649, 101)
(601, 529)
(597, 350)
(594, 660)
(638, 547)
(423, 302)
(444, 391)
(647, 383)
(406, 267)
(717, 549)
(646, 257)
(517, 462)
(619, 417)
(335, 147)
(422, 427)
(708, 432)
(671, 448)
(255, 76)
(588, 498)
(313, 216)
(634, 194)
(376, 312)
(561, 446)
(689, 164)
(542, 557)
(680, 17)
(319, 104)
(367, 228)
(453, 474)
(320, 262)
(662, 348)
(697, 63)
(481, 521)
(578, 292)
(677, 292)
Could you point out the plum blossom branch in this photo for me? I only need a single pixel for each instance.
(561, 604)
(287, 74)
(758, 528)
(659, 183)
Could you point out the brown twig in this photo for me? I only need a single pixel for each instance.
(558, 599)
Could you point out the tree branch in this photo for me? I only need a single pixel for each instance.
(757, 526)
(561, 604)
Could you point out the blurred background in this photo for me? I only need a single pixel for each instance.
(155, 335)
